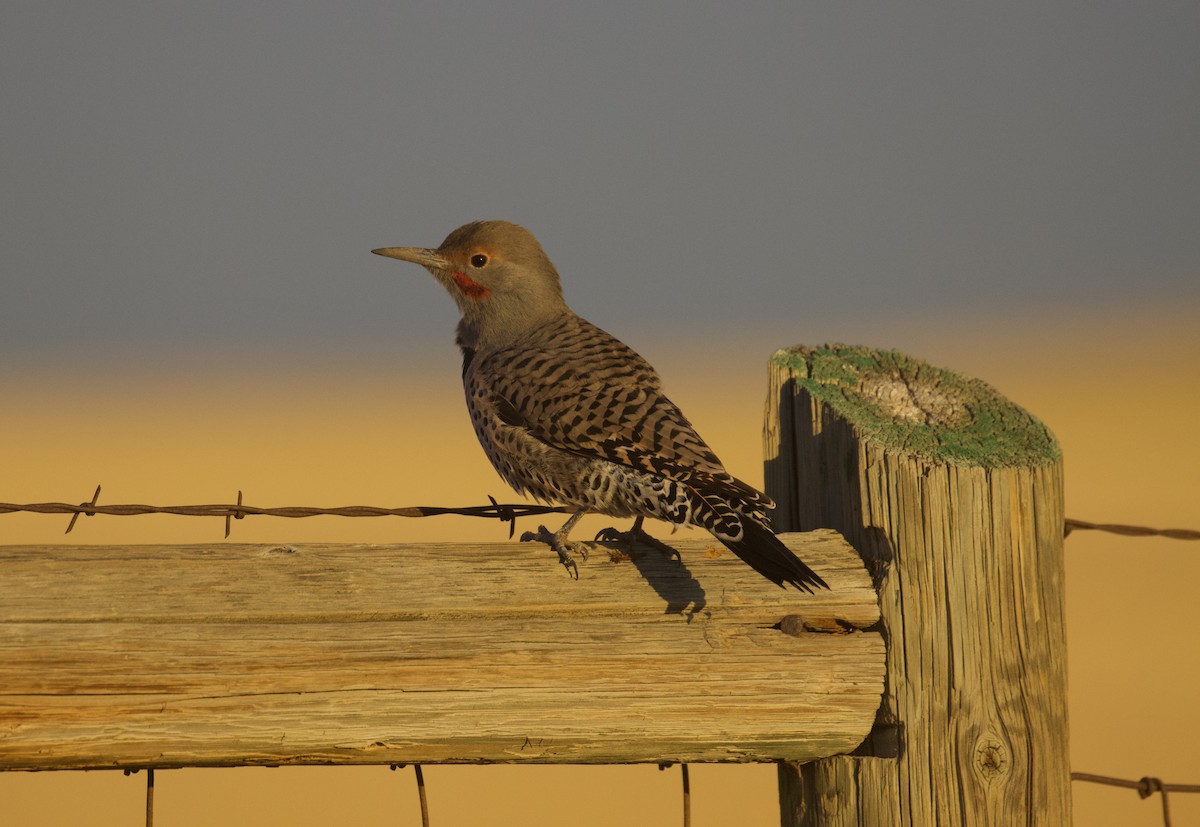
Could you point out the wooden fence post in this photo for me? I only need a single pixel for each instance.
(953, 495)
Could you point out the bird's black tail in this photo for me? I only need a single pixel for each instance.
(767, 555)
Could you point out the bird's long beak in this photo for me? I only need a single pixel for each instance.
(430, 259)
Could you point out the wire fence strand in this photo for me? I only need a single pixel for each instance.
(1145, 786)
(505, 512)
(236, 511)
(1131, 530)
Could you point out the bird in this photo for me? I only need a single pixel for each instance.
(569, 414)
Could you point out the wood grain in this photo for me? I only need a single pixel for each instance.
(224, 655)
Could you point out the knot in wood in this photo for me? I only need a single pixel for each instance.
(992, 759)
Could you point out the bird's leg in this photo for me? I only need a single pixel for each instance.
(636, 535)
(560, 544)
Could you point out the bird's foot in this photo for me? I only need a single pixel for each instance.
(634, 536)
(561, 546)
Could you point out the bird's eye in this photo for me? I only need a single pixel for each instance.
(479, 260)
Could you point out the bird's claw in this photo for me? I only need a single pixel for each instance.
(570, 565)
(634, 536)
(559, 547)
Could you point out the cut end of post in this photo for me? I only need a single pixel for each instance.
(911, 405)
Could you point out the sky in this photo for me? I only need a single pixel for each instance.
(189, 194)
(209, 179)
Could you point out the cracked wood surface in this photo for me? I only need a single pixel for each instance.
(226, 655)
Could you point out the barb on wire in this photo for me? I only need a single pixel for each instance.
(87, 508)
(236, 511)
(1145, 787)
(1130, 530)
(235, 515)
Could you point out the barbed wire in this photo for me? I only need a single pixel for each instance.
(504, 512)
(236, 511)
(1146, 787)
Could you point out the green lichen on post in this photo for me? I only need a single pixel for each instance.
(904, 403)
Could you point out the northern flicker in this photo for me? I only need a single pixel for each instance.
(569, 414)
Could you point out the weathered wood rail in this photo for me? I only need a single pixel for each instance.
(225, 655)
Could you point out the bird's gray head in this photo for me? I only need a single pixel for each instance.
(498, 275)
